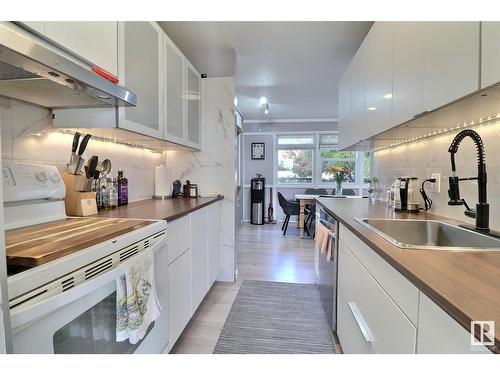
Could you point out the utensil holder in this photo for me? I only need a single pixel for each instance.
(78, 203)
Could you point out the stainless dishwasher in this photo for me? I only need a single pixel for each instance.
(328, 269)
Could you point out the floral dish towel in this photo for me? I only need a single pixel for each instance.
(137, 304)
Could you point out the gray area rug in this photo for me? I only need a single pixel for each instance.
(276, 318)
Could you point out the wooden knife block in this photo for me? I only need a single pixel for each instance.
(78, 203)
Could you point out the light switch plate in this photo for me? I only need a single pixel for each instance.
(436, 187)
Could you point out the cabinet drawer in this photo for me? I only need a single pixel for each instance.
(387, 329)
(178, 237)
(350, 336)
(404, 293)
(439, 333)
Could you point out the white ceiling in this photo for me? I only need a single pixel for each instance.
(296, 65)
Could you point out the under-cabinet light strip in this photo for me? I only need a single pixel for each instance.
(434, 133)
(103, 139)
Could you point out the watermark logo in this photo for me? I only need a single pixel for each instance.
(482, 333)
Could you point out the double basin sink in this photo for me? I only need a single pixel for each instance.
(430, 235)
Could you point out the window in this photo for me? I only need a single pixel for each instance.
(295, 167)
(296, 159)
(306, 159)
(334, 158)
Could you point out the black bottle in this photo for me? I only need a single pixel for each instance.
(122, 189)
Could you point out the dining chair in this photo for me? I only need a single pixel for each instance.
(289, 208)
(312, 207)
(348, 192)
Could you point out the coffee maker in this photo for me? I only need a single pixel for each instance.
(406, 194)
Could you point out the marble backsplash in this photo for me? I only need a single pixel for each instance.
(25, 138)
(424, 158)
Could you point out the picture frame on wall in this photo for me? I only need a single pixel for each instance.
(258, 151)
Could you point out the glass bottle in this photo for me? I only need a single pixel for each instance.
(122, 189)
(112, 193)
(103, 192)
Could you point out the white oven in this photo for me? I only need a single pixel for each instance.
(76, 312)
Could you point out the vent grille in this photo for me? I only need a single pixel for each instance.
(128, 253)
(68, 283)
(98, 268)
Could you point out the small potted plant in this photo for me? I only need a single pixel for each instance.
(339, 174)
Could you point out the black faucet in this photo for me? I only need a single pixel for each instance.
(481, 213)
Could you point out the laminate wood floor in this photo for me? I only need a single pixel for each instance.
(262, 253)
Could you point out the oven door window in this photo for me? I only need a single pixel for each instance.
(94, 332)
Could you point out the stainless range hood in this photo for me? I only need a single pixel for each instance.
(34, 71)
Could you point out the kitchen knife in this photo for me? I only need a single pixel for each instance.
(92, 166)
(83, 144)
(76, 138)
(73, 160)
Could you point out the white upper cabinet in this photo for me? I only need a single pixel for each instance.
(94, 42)
(403, 69)
(357, 116)
(140, 51)
(490, 50)
(345, 112)
(408, 71)
(182, 99)
(451, 62)
(378, 78)
(174, 96)
(192, 97)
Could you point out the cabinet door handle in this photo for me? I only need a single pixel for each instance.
(360, 321)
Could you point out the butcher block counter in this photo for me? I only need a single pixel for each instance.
(35, 245)
(464, 284)
(159, 209)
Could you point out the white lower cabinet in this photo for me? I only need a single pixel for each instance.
(199, 257)
(438, 333)
(380, 311)
(214, 241)
(179, 286)
(369, 321)
(193, 264)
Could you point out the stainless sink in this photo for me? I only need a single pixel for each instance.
(430, 235)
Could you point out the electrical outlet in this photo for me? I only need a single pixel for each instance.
(436, 187)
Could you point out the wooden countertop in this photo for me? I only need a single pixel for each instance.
(38, 244)
(464, 284)
(159, 209)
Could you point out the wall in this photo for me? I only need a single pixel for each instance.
(264, 167)
(25, 138)
(423, 158)
(214, 168)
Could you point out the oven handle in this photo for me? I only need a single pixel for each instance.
(22, 316)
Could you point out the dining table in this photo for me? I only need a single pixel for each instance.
(310, 199)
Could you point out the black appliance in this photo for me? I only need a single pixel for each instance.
(327, 269)
(257, 205)
(176, 188)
